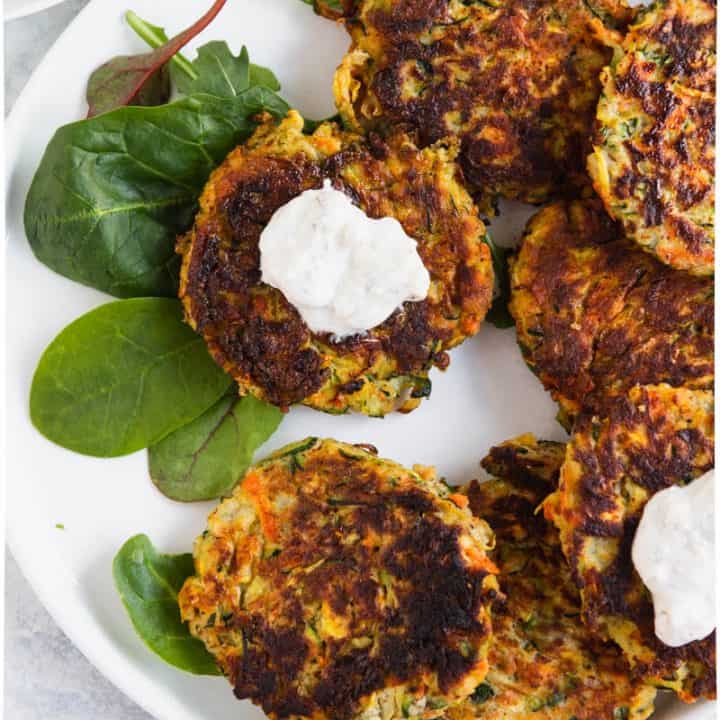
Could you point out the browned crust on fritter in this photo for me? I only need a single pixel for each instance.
(534, 66)
(661, 177)
(596, 316)
(544, 663)
(365, 540)
(257, 336)
(656, 437)
(533, 464)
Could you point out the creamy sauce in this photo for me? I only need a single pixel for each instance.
(674, 554)
(345, 272)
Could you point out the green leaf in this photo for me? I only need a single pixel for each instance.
(149, 583)
(215, 70)
(482, 693)
(218, 72)
(123, 377)
(206, 458)
(112, 193)
(499, 315)
(141, 79)
(263, 76)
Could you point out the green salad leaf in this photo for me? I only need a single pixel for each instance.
(149, 583)
(215, 71)
(206, 458)
(499, 314)
(141, 79)
(123, 377)
(219, 72)
(112, 193)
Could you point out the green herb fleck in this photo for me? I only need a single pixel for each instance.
(483, 692)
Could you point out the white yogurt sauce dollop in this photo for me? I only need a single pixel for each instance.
(345, 272)
(674, 554)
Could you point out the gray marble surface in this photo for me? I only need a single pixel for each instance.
(46, 677)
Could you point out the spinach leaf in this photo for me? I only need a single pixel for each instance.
(206, 458)
(140, 79)
(219, 72)
(149, 583)
(123, 377)
(112, 193)
(260, 75)
(499, 315)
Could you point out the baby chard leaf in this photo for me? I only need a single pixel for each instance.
(112, 193)
(155, 37)
(123, 377)
(206, 458)
(149, 583)
(140, 79)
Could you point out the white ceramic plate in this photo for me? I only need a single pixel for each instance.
(14, 9)
(487, 396)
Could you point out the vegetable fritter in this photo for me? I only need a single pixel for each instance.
(655, 437)
(334, 584)
(544, 663)
(595, 315)
(516, 80)
(654, 149)
(260, 339)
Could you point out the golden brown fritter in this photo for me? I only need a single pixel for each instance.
(260, 339)
(596, 316)
(654, 148)
(516, 80)
(544, 663)
(334, 584)
(655, 437)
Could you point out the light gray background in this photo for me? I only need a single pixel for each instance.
(46, 677)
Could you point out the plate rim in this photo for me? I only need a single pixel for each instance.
(97, 651)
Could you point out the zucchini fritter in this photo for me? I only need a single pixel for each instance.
(655, 437)
(654, 150)
(544, 663)
(516, 80)
(596, 316)
(334, 584)
(260, 339)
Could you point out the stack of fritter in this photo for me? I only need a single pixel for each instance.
(625, 345)
(337, 585)
(546, 98)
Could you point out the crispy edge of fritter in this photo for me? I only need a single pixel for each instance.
(645, 165)
(445, 536)
(655, 437)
